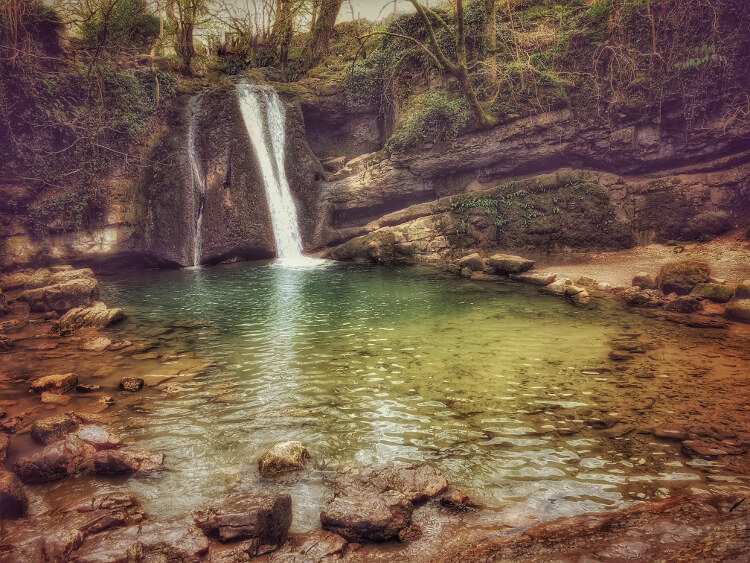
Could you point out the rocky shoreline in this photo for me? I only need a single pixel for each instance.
(401, 512)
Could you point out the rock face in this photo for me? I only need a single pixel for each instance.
(376, 504)
(13, 500)
(283, 457)
(509, 264)
(265, 518)
(682, 276)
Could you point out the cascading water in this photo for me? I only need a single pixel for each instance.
(264, 118)
(197, 181)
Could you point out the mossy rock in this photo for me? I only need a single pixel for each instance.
(717, 292)
(682, 276)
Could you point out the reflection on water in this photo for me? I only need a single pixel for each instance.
(368, 365)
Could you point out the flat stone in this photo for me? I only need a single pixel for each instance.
(61, 383)
(368, 517)
(50, 398)
(669, 433)
(61, 297)
(98, 344)
(283, 457)
(98, 315)
(541, 279)
(13, 500)
(266, 518)
(99, 437)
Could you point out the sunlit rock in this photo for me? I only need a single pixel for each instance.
(283, 457)
(509, 264)
(52, 428)
(58, 383)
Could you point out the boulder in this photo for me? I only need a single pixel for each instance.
(131, 384)
(55, 461)
(13, 500)
(98, 344)
(557, 287)
(682, 276)
(265, 518)
(99, 437)
(739, 310)
(644, 280)
(368, 517)
(743, 290)
(473, 262)
(376, 504)
(649, 298)
(126, 462)
(686, 304)
(58, 383)
(717, 292)
(63, 296)
(541, 279)
(509, 264)
(175, 540)
(97, 316)
(283, 457)
(53, 428)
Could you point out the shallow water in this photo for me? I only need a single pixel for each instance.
(367, 365)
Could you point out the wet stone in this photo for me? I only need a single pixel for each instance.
(47, 430)
(57, 383)
(13, 500)
(131, 384)
(283, 457)
(265, 518)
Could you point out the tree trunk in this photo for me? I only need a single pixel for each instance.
(283, 30)
(490, 37)
(185, 47)
(321, 33)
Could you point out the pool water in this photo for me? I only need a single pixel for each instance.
(367, 365)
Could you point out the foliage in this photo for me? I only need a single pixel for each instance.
(119, 25)
(433, 116)
(65, 124)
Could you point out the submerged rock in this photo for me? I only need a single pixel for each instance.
(58, 383)
(99, 437)
(98, 344)
(265, 518)
(509, 264)
(52, 428)
(283, 457)
(126, 462)
(131, 384)
(644, 280)
(13, 500)
(682, 276)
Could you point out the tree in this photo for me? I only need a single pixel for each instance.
(184, 15)
(283, 29)
(321, 31)
(457, 66)
(490, 36)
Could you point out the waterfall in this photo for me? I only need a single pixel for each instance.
(197, 181)
(263, 114)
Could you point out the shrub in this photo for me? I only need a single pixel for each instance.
(129, 25)
(432, 116)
